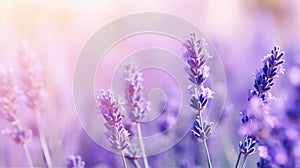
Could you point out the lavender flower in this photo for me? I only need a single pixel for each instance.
(32, 87)
(75, 162)
(31, 78)
(257, 120)
(136, 104)
(198, 72)
(264, 78)
(8, 93)
(8, 111)
(196, 56)
(257, 117)
(8, 107)
(111, 111)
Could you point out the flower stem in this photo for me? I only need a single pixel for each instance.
(27, 154)
(244, 161)
(43, 140)
(123, 158)
(238, 160)
(204, 143)
(207, 154)
(142, 145)
(136, 164)
(239, 157)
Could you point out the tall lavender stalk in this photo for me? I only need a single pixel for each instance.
(136, 105)
(111, 111)
(8, 111)
(198, 72)
(32, 87)
(257, 121)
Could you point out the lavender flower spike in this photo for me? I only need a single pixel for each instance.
(136, 105)
(31, 77)
(32, 87)
(8, 104)
(8, 111)
(8, 108)
(111, 111)
(257, 121)
(198, 72)
(264, 78)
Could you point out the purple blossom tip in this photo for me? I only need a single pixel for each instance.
(31, 78)
(136, 104)
(196, 56)
(110, 107)
(111, 111)
(264, 78)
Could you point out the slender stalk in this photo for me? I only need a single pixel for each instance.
(238, 160)
(123, 158)
(43, 140)
(239, 157)
(204, 143)
(244, 161)
(136, 164)
(142, 145)
(207, 154)
(27, 154)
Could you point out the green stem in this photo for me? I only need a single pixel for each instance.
(142, 145)
(43, 140)
(123, 158)
(27, 154)
(205, 144)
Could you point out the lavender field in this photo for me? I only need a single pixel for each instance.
(150, 84)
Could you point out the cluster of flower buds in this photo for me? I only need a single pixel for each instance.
(198, 72)
(136, 104)
(9, 107)
(111, 111)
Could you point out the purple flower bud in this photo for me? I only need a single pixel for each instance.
(111, 111)
(196, 56)
(136, 104)
(9, 107)
(31, 78)
(264, 78)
